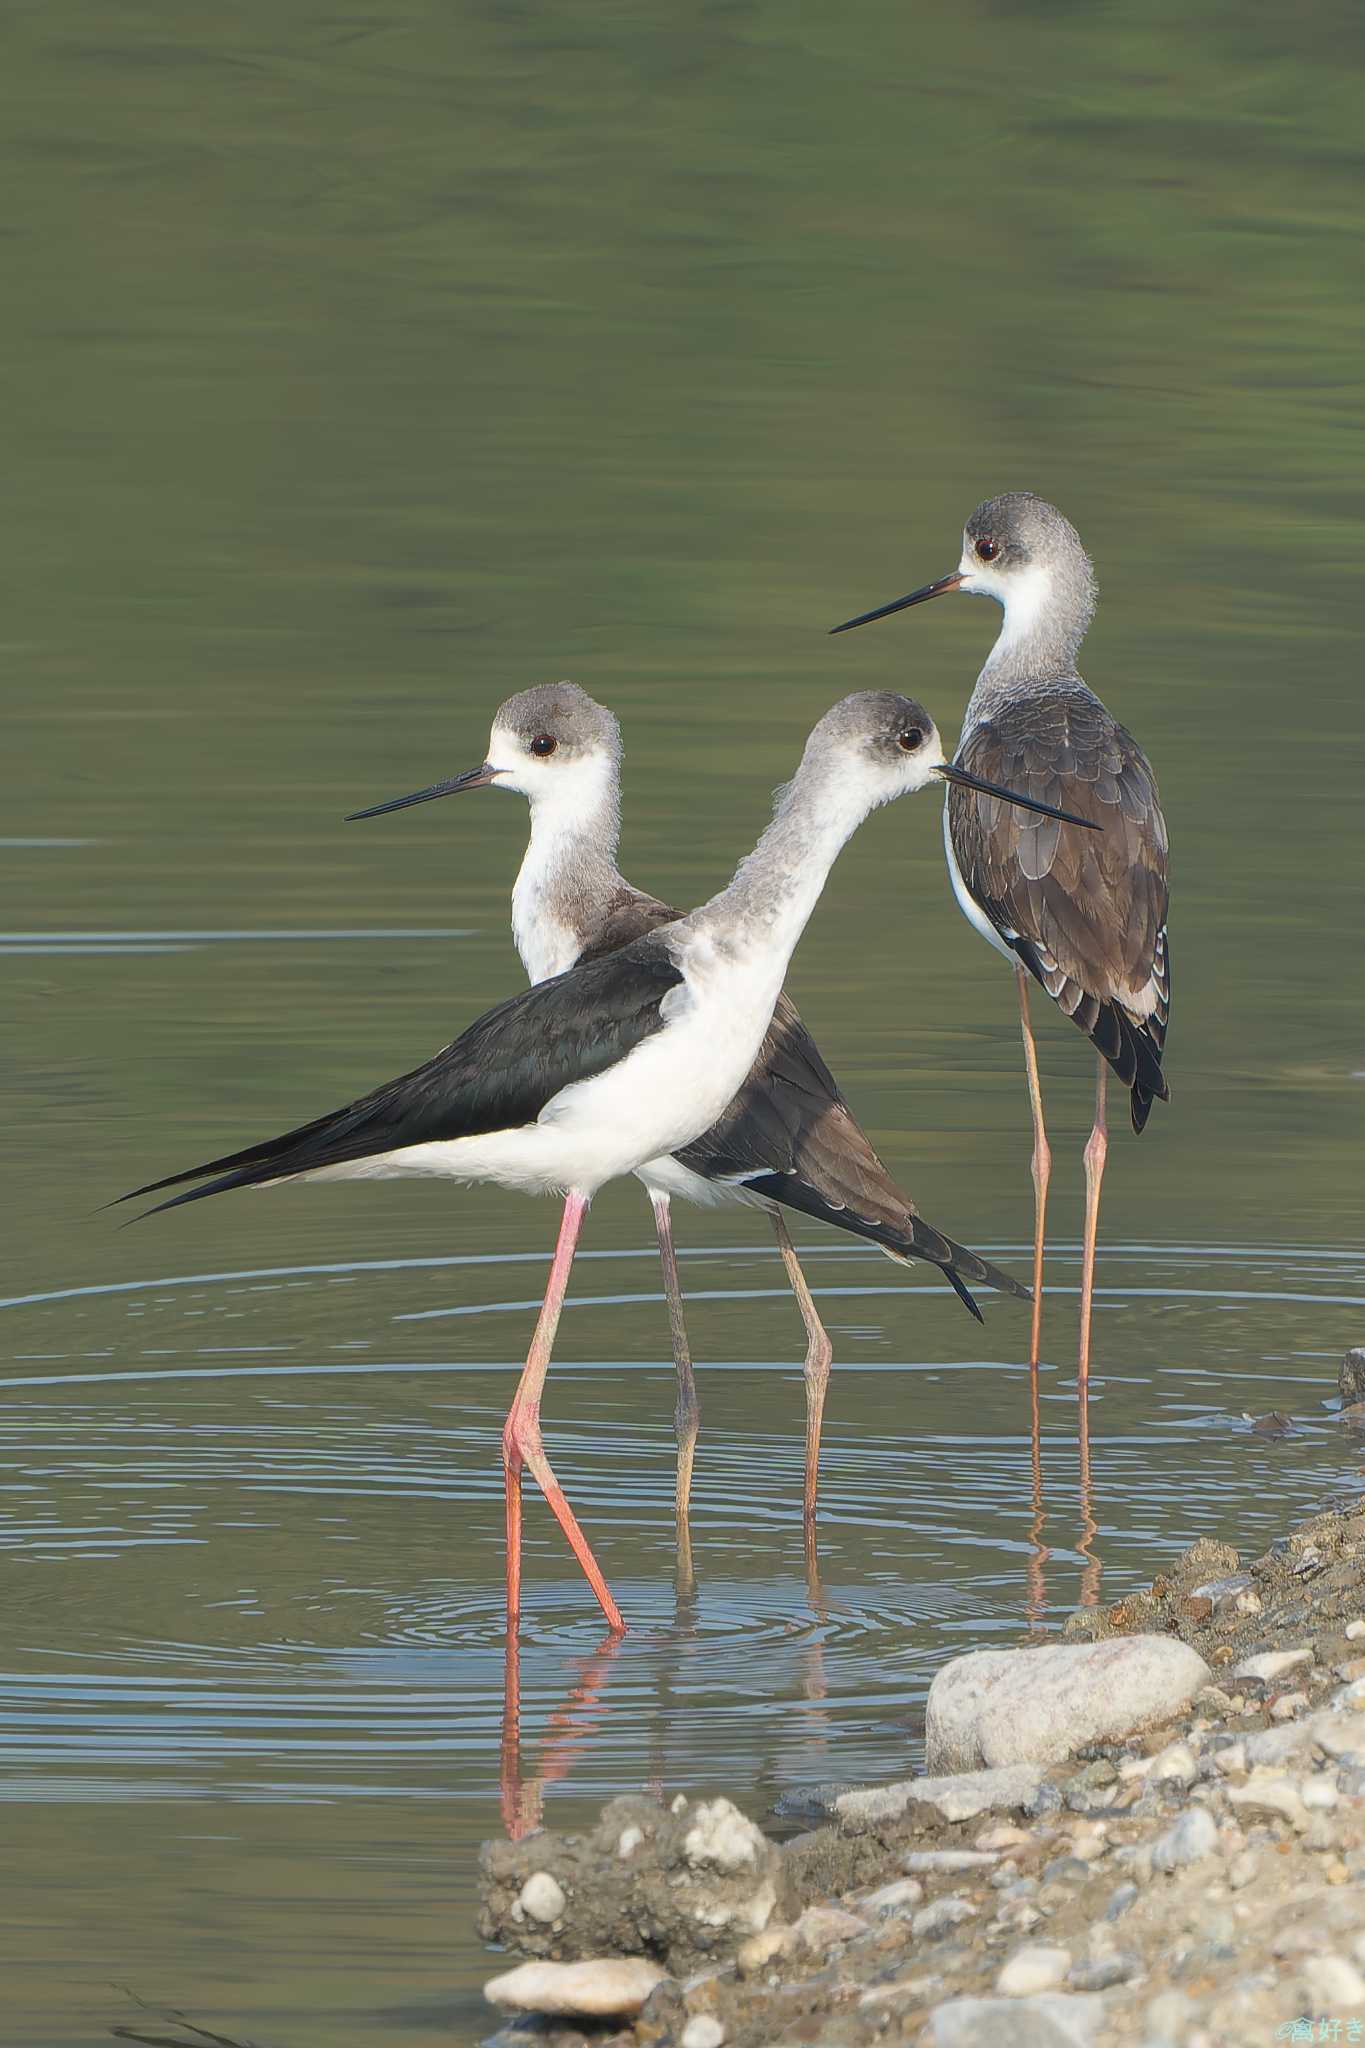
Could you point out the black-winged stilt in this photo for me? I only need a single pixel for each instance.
(1084, 913)
(625, 1058)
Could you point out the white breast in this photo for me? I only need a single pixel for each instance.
(967, 903)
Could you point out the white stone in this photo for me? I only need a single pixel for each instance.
(1272, 1663)
(1319, 1794)
(601, 1987)
(1355, 1629)
(1030, 1970)
(1001, 1836)
(630, 1841)
(1053, 2020)
(703, 2030)
(962, 1796)
(821, 1926)
(752, 1955)
(1288, 1705)
(723, 1837)
(939, 1915)
(1000, 1707)
(1271, 1792)
(894, 1897)
(1175, 1762)
(1333, 1983)
(679, 1803)
(949, 1859)
(1193, 1837)
(542, 1897)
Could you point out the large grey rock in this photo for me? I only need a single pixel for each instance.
(1054, 2020)
(604, 1986)
(960, 1797)
(1000, 1707)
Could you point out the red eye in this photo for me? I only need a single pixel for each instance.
(987, 549)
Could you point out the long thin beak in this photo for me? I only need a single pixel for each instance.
(477, 778)
(884, 611)
(951, 773)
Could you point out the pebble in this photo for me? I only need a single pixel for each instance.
(1103, 1972)
(998, 1707)
(758, 1951)
(722, 1837)
(1288, 1705)
(703, 2030)
(1319, 1793)
(949, 1859)
(1194, 1836)
(961, 1796)
(1002, 1836)
(939, 1915)
(1333, 1983)
(894, 1897)
(602, 1987)
(1354, 1667)
(1270, 1792)
(1272, 1663)
(1174, 1763)
(630, 1841)
(1054, 2020)
(1339, 1734)
(542, 1897)
(1231, 1760)
(1351, 1374)
(1242, 1869)
(1065, 1870)
(1030, 1970)
(1355, 1629)
(819, 1927)
(1120, 1900)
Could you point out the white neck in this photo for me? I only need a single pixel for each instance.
(569, 870)
(765, 909)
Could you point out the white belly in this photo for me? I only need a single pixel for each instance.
(966, 902)
(664, 1094)
(670, 1177)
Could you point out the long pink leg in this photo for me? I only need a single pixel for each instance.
(819, 1354)
(687, 1414)
(1042, 1166)
(521, 1439)
(1096, 1150)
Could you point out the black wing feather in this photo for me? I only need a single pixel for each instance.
(497, 1075)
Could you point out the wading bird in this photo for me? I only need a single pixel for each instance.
(788, 1139)
(1084, 913)
(623, 1059)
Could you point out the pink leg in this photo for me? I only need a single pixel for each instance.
(1042, 1166)
(819, 1355)
(1096, 1149)
(687, 1414)
(521, 1439)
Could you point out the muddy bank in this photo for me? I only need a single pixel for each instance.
(1195, 1879)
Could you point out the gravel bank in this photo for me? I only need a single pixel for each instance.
(1187, 1881)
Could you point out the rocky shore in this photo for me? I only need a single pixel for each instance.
(1150, 1830)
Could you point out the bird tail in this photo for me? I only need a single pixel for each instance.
(903, 1236)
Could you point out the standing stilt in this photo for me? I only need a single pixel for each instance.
(1096, 1147)
(521, 1439)
(1042, 1165)
(687, 1413)
(819, 1354)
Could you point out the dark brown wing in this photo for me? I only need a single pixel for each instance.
(790, 1136)
(1085, 911)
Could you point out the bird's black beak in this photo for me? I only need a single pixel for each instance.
(477, 778)
(884, 611)
(951, 773)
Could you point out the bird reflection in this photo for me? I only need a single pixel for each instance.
(567, 1732)
(1038, 1550)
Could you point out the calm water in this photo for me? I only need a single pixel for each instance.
(364, 367)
